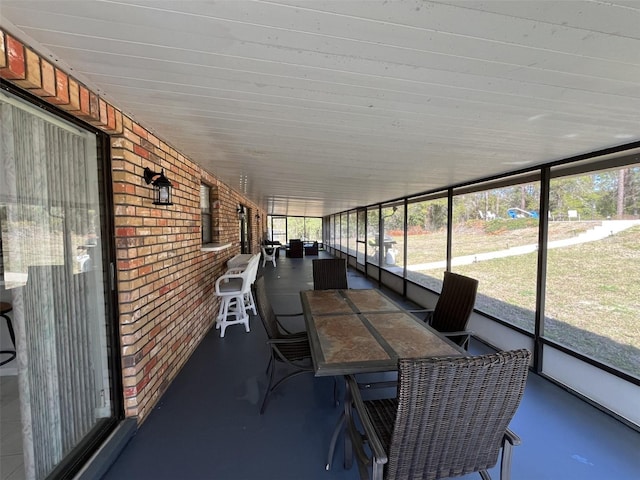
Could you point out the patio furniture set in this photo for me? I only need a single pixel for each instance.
(449, 412)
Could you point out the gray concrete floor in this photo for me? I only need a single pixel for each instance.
(208, 426)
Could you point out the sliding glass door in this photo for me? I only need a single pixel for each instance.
(54, 276)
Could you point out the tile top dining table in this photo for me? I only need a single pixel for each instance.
(361, 331)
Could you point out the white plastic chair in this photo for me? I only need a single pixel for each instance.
(249, 302)
(234, 290)
(266, 256)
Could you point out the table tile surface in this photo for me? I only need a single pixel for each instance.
(344, 338)
(357, 331)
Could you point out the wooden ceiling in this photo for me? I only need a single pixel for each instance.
(313, 107)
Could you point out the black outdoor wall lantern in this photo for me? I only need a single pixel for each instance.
(241, 212)
(161, 186)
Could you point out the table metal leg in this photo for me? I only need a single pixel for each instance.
(334, 440)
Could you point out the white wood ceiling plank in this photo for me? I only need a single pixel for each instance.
(340, 103)
(291, 88)
(613, 17)
(400, 96)
(415, 123)
(143, 38)
(527, 137)
(168, 20)
(469, 19)
(441, 80)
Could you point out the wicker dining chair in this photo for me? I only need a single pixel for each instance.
(329, 273)
(453, 309)
(450, 418)
(291, 349)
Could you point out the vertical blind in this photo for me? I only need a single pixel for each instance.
(50, 201)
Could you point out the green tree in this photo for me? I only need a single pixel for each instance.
(437, 215)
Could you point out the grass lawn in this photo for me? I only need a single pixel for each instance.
(592, 290)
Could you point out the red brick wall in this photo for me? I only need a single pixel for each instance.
(165, 281)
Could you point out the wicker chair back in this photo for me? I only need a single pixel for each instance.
(329, 273)
(292, 349)
(265, 311)
(453, 414)
(455, 304)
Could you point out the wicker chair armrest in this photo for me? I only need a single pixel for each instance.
(293, 349)
(286, 315)
(467, 333)
(512, 438)
(289, 314)
(300, 337)
(429, 311)
(374, 385)
(379, 454)
(422, 310)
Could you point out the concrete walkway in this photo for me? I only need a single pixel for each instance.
(606, 229)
